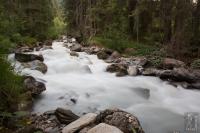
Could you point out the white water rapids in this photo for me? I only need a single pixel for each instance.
(68, 78)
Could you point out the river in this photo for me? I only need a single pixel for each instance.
(82, 85)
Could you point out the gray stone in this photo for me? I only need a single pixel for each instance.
(126, 122)
(80, 123)
(170, 63)
(74, 54)
(104, 128)
(133, 70)
(35, 87)
(21, 57)
(76, 48)
(36, 65)
(65, 116)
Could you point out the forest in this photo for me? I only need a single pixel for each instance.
(154, 29)
(169, 24)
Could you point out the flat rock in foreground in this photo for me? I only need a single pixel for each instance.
(125, 121)
(80, 123)
(104, 128)
(65, 116)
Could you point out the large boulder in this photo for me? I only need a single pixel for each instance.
(92, 50)
(76, 48)
(21, 57)
(170, 63)
(102, 55)
(151, 72)
(178, 74)
(36, 65)
(126, 122)
(115, 55)
(35, 87)
(120, 69)
(133, 70)
(139, 61)
(104, 128)
(80, 123)
(65, 116)
(194, 86)
(74, 54)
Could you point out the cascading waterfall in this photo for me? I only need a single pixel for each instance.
(82, 85)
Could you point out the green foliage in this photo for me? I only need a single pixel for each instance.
(155, 61)
(5, 45)
(150, 22)
(10, 85)
(57, 28)
(122, 44)
(28, 40)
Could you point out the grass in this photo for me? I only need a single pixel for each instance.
(10, 85)
(138, 49)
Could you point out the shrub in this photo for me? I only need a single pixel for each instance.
(10, 85)
(17, 38)
(5, 45)
(29, 40)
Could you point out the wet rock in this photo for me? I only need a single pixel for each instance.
(120, 69)
(178, 74)
(133, 70)
(170, 63)
(36, 65)
(35, 87)
(23, 49)
(102, 55)
(74, 54)
(151, 72)
(145, 93)
(104, 128)
(28, 57)
(73, 100)
(126, 122)
(194, 86)
(115, 68)
(93, 50)
(80, 123)
(76, 48)
(139, 61)
(115, 55)
(121, 73)
(65, 116)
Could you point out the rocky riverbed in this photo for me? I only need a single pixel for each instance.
(71, 76)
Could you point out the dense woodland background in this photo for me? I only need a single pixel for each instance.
(171, 24)
(152, 28)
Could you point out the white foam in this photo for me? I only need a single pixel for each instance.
(68, 78)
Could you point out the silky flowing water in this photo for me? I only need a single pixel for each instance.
(82, 85)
